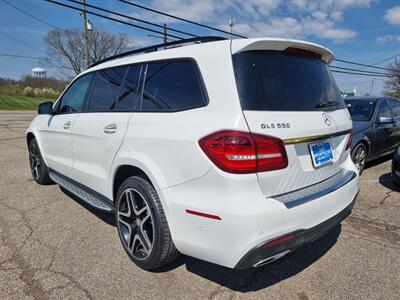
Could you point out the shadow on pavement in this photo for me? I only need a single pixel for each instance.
(252, 279)
(107, 217)
(386, 181)
(379, 161)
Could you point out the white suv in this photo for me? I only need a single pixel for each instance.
(231, 151)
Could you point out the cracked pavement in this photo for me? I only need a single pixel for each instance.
(54, 247)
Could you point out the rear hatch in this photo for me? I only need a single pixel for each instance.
(287, 91)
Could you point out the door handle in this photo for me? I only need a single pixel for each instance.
(67, 125)
(111, 128)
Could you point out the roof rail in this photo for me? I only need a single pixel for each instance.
(202, 39)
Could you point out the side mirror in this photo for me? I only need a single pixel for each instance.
(45, 108)
(385, 120)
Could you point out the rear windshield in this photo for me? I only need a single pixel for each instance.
(279, 81)
(360, 110)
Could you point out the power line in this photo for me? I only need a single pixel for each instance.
(364, 65)
(364, 74)
(133, 18)
(226, 32)
(110, 18)
(358, 70)
(181, 19)
(28, 14)
(20, 56)
(387, 59)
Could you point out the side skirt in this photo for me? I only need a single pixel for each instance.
(84, 193)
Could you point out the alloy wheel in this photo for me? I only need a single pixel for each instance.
(359, 158)
(135, 223)
(34, 161)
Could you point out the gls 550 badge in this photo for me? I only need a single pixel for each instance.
(275, 125)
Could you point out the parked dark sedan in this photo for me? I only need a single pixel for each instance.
(376, 127)
(396, 166)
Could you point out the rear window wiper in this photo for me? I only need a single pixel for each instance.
(326, 104)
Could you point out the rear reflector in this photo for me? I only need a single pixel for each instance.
(200, 214)
(303, 52)
(278, 241)
(243, 152)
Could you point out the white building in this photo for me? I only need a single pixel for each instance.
(39, 72)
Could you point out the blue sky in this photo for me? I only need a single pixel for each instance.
(365, 31)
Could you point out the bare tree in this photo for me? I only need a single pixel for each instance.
(66, 48)
(392, 84)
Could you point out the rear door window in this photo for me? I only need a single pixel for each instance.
(106, 88)
(172, 86)
(279, 81)
(130, 93)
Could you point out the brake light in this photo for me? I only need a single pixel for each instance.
(303, 52)
(243, 152)
(349, 141)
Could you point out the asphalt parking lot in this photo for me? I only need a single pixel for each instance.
(54, 247)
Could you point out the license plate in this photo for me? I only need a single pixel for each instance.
(321, 154)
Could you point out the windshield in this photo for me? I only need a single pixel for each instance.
(360, 110)
(280, 81)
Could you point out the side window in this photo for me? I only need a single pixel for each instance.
(395, 108)
(129, 96)
(106, 87)
(74, 98)
(172, 86)
(384, 110)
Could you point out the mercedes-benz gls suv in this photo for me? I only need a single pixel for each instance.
(235, 152)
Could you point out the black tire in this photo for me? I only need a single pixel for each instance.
(39, 170)
(359, 156)
(143, 230)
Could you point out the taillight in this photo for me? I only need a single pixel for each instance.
(349, 141)
(243, 152)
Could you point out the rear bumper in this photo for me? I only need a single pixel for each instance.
(267, 251)
(246, 218)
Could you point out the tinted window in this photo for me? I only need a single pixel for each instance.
(384, 110)
(360, 110)
(106, 87)
(171, 86)
(395, 108)
(73, 99)
(130, 96)
(279, 81)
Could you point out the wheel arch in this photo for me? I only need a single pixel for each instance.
(125, 171)
(29, 137)
(365, 141)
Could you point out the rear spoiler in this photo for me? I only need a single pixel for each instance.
(241, 45)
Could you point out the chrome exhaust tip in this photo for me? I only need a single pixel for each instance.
(270, 259)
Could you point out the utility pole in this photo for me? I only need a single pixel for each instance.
(85, 34)
(165, 34)
(372, 86)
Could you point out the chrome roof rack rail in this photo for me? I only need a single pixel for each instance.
(203, 39)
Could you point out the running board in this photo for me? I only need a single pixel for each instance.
(82, 192)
